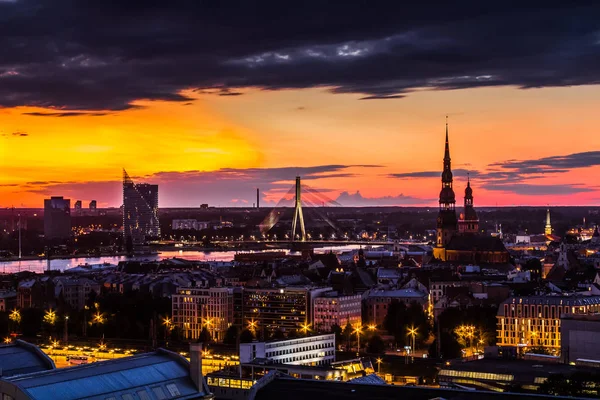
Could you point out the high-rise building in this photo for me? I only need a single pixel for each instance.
(93, 205)
(286, 309)
(57, 218)
(446, 221)
(78, 205)
(140, 211)
(195, 308)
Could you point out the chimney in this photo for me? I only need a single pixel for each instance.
(196, 367)
(257, 198)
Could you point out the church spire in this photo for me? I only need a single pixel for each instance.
(548, 227)
(447, 150)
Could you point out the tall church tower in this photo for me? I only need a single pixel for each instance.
(548, 227)
(468, 221)
(446, 221)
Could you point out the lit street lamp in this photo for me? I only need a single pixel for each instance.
(379, 365)
(305, 328)
(50, 317)
(413, 332)
(357, 330)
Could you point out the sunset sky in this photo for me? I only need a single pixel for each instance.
(211, 103)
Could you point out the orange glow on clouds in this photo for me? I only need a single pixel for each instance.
(299, 128)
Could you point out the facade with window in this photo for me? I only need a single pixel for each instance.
(535, 321)
(333, 309)
(286, 309)
(196, 308)
(311, 351)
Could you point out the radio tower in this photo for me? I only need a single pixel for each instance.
(298, 213)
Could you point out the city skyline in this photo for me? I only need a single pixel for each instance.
(356, 110)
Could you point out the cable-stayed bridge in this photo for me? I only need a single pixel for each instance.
(303, 198)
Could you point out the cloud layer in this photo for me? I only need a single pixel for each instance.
(106, 54)
(519, 176)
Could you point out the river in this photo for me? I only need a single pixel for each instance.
(39, 266)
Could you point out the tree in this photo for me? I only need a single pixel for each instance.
(375, 345)
(231, 336)
(450, 348)
(337, 330)
(205, 336)
(277, 335)
(577, 384)
(347, 334)
(246, 336)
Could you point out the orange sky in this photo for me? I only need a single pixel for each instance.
(303, 128)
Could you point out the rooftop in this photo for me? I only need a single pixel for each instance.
(161, 374)
(22, 358)
(297, 389)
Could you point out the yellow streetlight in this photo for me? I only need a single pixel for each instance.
(50, 317)
(252, 324)
(15, 316)
(7, 340)
(378, 365)
(305, 328)
(98, 318)
(372, 327)
(357, 330)
(413, 332)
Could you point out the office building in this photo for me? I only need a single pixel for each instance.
(535, 321)
(188, 224)
(287, 309)
(57, 218)
(195, 308)
(331, 309)
(77, 205)
(93, 205)
(377, 302)
(310, 351)
(75, 291)
(579, 335)
(140, 211)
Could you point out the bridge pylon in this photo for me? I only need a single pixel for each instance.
(298, 216)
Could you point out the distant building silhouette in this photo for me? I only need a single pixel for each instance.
(78, 205)
(140, 211)
(57, 218)
(93, 205)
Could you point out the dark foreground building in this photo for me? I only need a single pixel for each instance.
(296, 389)
(158, 375)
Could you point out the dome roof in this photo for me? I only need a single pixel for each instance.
(468, 190)
(447, 195)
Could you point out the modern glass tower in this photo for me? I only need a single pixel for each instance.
(140, 211)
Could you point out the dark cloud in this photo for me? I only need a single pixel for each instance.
(538, 190)
(515, 176)
(15, 134)
(553, 165)
(192, 188)
(65, 114)
(433, 174)
(106, 54)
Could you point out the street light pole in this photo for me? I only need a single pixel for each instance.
(66, 333)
